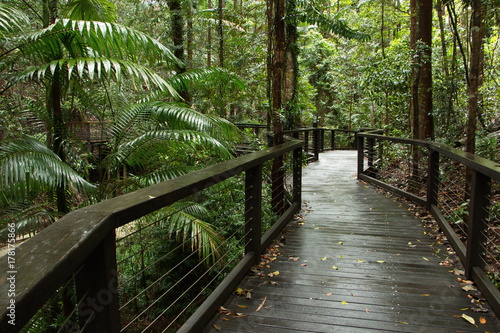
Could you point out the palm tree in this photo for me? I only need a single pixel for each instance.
(69, 56)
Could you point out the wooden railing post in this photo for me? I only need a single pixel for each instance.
(332, 140)
(97, 288)
(316, 144)
(321, 140)
(297, 175)
(478, 215)
(433, 178)
(253, 211)
(306, 142)
(361, 153)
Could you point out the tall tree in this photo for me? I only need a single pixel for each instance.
(475, 73)
(421, 79)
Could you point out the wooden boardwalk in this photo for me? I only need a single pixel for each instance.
(357, 262)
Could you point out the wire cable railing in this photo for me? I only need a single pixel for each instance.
(159, 259)
(460, 190)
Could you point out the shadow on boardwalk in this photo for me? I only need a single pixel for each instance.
(356, 262)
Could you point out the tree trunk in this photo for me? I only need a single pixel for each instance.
(476, 63)
(221, 33)
(422, 122)
(177, 23)
(209, 39)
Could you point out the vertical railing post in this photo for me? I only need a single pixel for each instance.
(433, 178)
(316, 144)
(332, 140)
(370, 142)
(297, 175)
(306, 142)
(477, 224)
(97, 288)
(253, 211)
(361, 153)
(321, 140)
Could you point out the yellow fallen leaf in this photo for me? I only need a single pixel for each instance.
(335, 268)
(324, 258)
(380, 261)
(425, 259)
(344, 302)
(340, 256)
(242, 306)
(469, 319)
(402, 322)
(359, 260)
(425, 295)
(341, 243)
(464, 309)
(217, 327)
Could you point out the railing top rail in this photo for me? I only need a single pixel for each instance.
(483, 165)
(49, 259)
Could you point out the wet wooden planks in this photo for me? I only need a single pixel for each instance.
(357, 262)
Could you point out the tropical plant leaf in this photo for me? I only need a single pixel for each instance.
(91, 10)
(28, 168)
(11, 19)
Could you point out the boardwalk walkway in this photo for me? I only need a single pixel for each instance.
(359, 262)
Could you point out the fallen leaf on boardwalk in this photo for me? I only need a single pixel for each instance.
(329, 294)
(273, 283)
(340, 256)
(359, 260)
(464, 309)
(249, 295)
(238, 315)
(224, 319)
(425, 295)
(217, 327)
(469, 319)
(341, 243)
(324, 258)
(425, 258)
(240, 292)
(482, 320)
(402, 322)
(242, 306)
(344, 302)
(411, 245)
(380, 261)
(223, 309)
(261, 304)
(273, 274)
(335, 268)
(303, 265)
(468, 287)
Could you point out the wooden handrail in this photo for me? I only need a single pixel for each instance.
(483, 173)
(86, 238)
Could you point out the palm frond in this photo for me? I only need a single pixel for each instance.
(205, 77)
(28, 168)
(187, 228)
(335, 24)
(28, 218)
(11, 19)
(135, 152)
(91, 10)
(101, 68)
(164, 173)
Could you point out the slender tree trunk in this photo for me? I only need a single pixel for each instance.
(476, 64)
(421, 78)
(425, 82)
(291, 69)
(221, 33)
(382, 27)
(190, 36)
(209, 39)
(177, 23)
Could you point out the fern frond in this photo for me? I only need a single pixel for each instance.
(28, 168)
